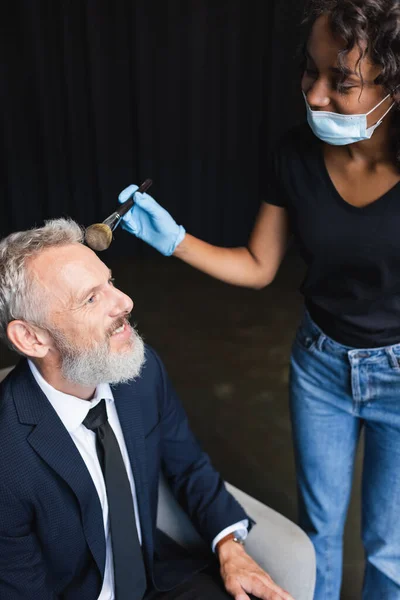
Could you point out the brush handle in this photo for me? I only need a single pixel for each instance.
(125, 206)
(112, 221)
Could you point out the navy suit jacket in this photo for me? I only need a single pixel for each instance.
(52, 543)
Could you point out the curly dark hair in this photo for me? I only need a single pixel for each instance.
(374, 27)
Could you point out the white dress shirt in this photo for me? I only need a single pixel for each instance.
(72, 412)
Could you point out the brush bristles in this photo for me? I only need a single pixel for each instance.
(98, 237)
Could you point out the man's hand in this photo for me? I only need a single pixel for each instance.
(242, 574)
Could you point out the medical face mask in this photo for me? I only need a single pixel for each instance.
(340, 130)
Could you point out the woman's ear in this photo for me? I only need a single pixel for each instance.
(28, 339)
(396, 95)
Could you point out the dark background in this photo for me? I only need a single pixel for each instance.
(98, 94)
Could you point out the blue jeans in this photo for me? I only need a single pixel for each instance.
(335, 392)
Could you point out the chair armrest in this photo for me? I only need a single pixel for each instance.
(5, 372)
(280, 547)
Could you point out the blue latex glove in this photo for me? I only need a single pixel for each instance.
(151, 222)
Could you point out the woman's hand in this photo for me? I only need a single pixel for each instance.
(150, 222)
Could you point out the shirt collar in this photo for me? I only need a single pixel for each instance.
(71, 410)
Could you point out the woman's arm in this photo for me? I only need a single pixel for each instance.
(254, 266)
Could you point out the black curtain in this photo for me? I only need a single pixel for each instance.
(98, 94)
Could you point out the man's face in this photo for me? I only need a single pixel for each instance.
(87, 317)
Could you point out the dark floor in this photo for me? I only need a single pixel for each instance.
(227, 351)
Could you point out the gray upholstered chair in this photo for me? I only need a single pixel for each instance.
(276, 543)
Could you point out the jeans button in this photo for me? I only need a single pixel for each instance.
(308, 342)
(363, 355)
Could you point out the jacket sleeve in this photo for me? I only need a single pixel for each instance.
(23, 574)
(197, 486)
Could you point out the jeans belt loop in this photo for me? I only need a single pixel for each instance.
(320, 341)
(393, 359)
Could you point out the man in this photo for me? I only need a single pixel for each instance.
(81, 460)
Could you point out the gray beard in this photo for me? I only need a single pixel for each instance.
(91, 366)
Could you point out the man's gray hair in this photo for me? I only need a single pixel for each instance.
(19, 292)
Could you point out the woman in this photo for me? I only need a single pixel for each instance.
(334, 185)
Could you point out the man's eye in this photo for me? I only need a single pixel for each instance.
(111, 281)
(91, 299)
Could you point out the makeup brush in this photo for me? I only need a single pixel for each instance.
(99, 236)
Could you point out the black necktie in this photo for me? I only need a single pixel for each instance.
(129, 570)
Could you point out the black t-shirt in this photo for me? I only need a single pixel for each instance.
(352, 285)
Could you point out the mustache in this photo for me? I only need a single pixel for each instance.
(118, 323)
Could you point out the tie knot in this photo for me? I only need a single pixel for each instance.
(96, 416)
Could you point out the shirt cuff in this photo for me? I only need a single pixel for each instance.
(241, 526)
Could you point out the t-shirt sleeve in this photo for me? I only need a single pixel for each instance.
(272, 188)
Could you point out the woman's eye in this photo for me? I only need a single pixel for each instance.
(343, 88)
(91, 300)
(111, 281)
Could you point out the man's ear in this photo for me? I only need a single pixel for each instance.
(29, 339)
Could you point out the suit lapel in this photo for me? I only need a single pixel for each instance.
(52, 442)
(127, 403)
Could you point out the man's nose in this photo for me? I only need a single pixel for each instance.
(122, 304)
